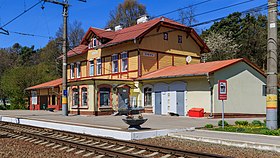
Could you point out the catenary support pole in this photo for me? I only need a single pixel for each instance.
(271, 98)
(64, 66)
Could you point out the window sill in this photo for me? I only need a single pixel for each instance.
(105, 107)
(81, 107)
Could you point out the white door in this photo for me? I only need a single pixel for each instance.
(178, 101)
(163, 88)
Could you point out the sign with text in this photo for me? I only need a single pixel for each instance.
(222, 90)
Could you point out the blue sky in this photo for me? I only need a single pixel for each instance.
(94, 13)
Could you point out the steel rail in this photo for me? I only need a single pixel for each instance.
(130, 144)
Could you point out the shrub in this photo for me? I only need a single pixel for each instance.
(220, 123)
(240, 130)
(242, 123)
(208, 126)
(257, 123)
(272, 132)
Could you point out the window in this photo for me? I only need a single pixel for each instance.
(147, 96)
(165, 36)
(104, 97)
(72, 71)
(78, 70)
(99, 66)
(84, 96)
(92, 43)
(124, 61)
(91, 68)
(53, 100)
(179, 39)
(75, 97)
(115, 64)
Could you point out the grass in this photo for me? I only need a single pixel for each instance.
(256, 127)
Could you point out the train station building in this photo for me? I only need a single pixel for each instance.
(155, 66)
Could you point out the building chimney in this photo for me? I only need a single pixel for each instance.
(118, 27)
(143, 19)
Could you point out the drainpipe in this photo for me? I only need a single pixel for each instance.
(211, 93)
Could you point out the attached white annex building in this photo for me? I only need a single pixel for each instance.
(177, 89)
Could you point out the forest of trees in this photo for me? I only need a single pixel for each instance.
(236, 36)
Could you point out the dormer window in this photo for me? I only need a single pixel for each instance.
(93, 43)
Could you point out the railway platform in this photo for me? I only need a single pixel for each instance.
(113, 126)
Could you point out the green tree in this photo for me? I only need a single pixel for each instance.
(126, 14)
(221, 46)
(249, 32)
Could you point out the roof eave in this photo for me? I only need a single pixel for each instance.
(175, 76)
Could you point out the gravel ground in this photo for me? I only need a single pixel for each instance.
(13, 148)
(210, 148)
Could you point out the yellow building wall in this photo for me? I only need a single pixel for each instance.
(133, 61)
(84, 69)
(164, 60)
(107, 64)
(148, 61)
(154, 41)
(109, 51)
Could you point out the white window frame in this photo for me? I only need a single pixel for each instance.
(78, 69)
(115, 63)
(94, 42)
(98, 66)
(72, 70)
(91, 67)
(123, 58)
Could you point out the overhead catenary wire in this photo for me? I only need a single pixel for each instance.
(179, 9)
(25, 11)
(218, 9)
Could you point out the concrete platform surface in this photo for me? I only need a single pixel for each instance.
(109, 126)
(256, 141)
(154, 122)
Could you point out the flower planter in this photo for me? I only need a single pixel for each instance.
(134, 123)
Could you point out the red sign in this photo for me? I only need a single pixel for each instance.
(222, 89)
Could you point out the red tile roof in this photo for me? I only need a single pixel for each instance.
(194, 69)
(103, 33)
(49, 84)
(130, 33)
(81, 49)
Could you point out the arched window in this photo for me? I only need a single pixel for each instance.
(75, 97)
(148, 96)
(84, 96)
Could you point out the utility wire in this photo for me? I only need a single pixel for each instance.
(21, 13)
(255, 9)
(173, 11)
(218, 9)
(226, 7)
(28, 34)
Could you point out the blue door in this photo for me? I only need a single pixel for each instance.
(158, 103)
(180, 103)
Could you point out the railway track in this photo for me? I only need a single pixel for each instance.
(92, 146)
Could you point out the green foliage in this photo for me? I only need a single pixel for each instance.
(248, 32)
(208, 126)
(225, 123)
(240, 130)
(126, 14)
(257, 123)
(242, 123)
